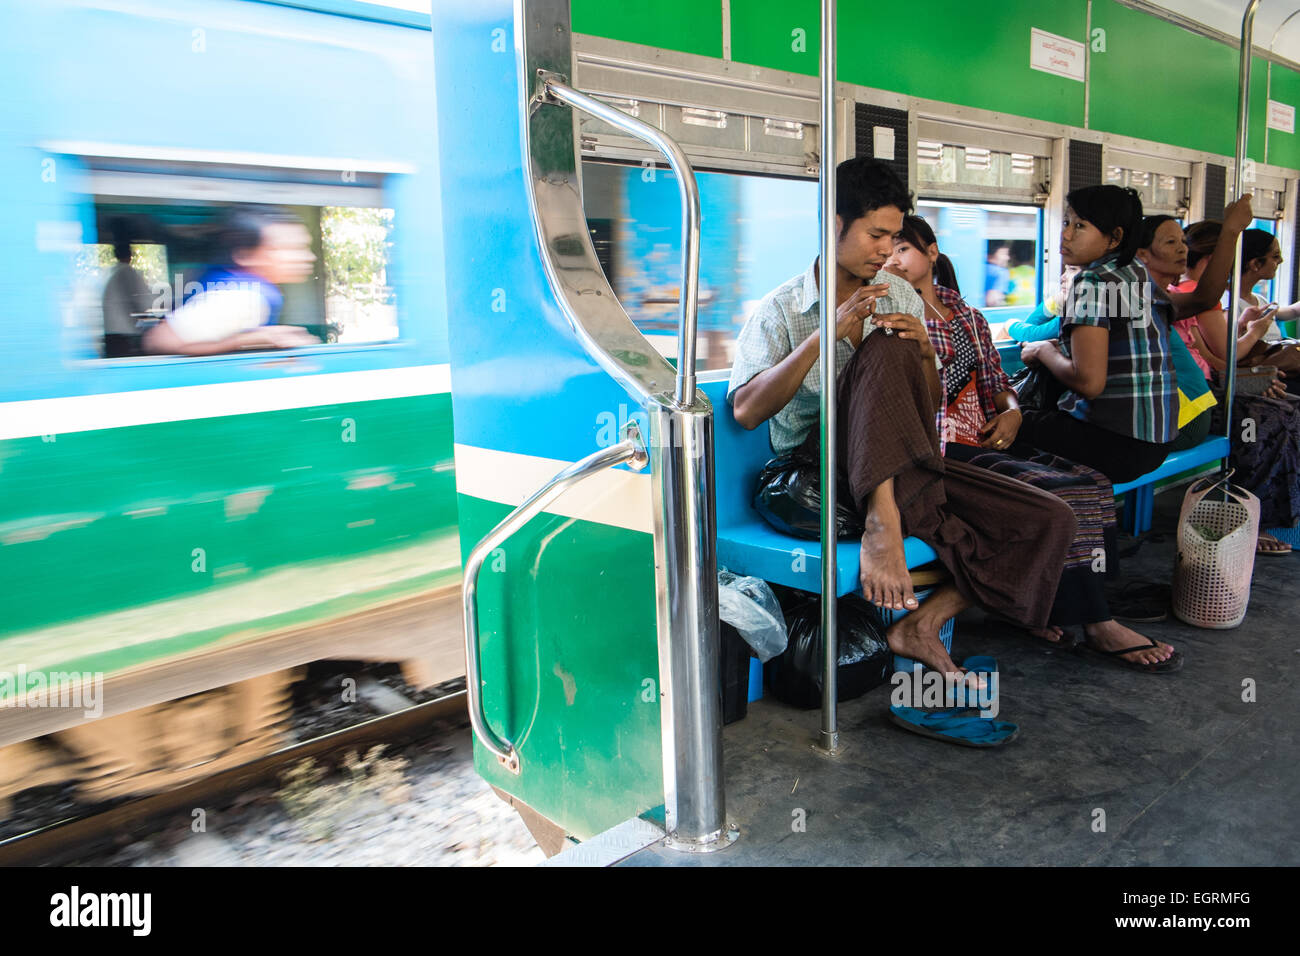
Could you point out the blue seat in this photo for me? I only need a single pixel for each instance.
(1141, 500)
(1141, 495)
(749, 545)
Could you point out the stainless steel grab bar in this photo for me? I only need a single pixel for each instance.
(680, 439)
(554, 87)
(829, 738)
(629, 451)
(1238, 184)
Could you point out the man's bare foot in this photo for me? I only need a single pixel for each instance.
(913, 637)
(884, 576)
(1113, 636)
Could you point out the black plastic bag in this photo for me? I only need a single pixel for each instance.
(795, 677)
(788, 495)
(1036, 389)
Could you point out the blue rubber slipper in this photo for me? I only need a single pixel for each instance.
(961, 726)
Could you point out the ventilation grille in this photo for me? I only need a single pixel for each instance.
(1085, 164)
(1216, 185)
(866, 118)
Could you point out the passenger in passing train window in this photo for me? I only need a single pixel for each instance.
(997, 276)
(1004, 541)
(982, 426)
(1119, 409)
(126, 294)
(239, 302)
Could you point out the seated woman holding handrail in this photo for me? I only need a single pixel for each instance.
(983, 420)
(1119, 411)
(1269, 463)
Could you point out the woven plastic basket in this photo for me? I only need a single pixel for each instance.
(1218, 529)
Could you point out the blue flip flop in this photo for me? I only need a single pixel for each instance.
(961, 726)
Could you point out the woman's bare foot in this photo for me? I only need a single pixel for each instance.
(884, 576)
(1113, 636)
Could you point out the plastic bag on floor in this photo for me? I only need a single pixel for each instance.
(864, 658)
(749, 605)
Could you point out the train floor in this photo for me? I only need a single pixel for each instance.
(1112, 767)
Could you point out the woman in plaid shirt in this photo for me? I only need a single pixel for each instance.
(981, 427)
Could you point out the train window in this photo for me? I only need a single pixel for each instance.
(756, 232)
(216, 255)
(996, 250)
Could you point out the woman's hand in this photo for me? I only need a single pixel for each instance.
(1030, 352)
(1237, 217)
(1277, 388)
(1000, 431)
(1252, 320)
(907, 326)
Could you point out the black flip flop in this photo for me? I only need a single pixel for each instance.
(1141, 602)
(1170, 665)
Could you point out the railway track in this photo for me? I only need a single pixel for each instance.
(72, 839)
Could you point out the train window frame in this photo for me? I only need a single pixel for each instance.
(116, 172)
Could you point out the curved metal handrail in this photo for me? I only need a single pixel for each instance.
(629, 451)
(554, 87)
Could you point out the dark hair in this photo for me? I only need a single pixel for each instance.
(243, 229)
(1150, 226)
(1255, 244)
(863, 185)
(917, 232)
(1201, 239)
(1110, 208)
(122, 251)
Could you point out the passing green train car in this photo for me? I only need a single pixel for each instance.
(174, 524)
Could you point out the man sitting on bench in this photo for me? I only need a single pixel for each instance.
(1003, 541)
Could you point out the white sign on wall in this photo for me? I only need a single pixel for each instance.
(1059, 56)
(1281, 117)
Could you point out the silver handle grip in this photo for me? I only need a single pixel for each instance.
(629, 451)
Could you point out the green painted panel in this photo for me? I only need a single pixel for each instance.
(1159, 82)
(689, 26)
(1284, 148)
(99, 521)
(569, 655)
(950, 50)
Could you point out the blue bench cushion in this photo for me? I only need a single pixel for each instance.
(749, 545)
(1210, 450)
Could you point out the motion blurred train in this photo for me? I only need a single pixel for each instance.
(192, 529)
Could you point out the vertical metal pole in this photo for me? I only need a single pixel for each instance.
(830, 736)
(1238, 185)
